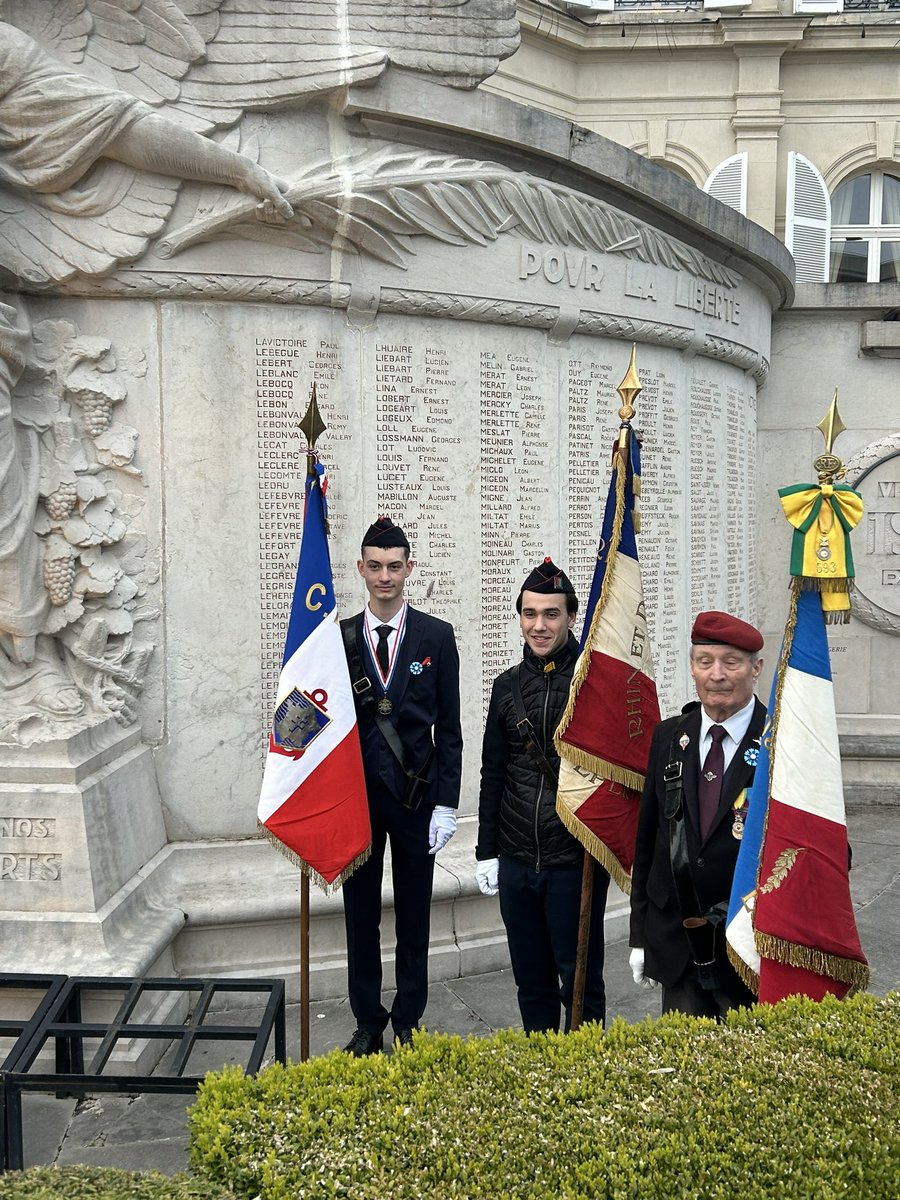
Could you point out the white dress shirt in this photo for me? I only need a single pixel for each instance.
(736, 730)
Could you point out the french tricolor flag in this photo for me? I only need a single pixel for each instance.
(791, 917)
(804, 921)
(313, 802)
(603, 738)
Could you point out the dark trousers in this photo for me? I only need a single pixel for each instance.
(540, 911)
(412, 871)
(687, 996)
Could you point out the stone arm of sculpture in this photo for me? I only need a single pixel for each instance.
(154, 143)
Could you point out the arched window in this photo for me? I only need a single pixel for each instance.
(865, 229)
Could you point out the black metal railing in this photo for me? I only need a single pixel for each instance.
(57, 1019)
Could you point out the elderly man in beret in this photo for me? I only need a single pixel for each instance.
(691, 821)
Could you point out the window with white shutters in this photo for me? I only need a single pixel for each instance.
(728, 182)
(807, 220)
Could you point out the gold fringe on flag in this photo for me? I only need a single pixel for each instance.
(847, 970)
(595, 848)
(745, 973)
(606, 770)
(319, 880)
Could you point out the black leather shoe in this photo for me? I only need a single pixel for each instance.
(364, 1042)
(403, 1036)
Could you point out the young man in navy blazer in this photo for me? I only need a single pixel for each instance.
(691, 821)
(405, 669)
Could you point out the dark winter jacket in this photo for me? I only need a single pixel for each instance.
(517, 806)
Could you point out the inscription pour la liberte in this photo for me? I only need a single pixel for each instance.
(578, 269)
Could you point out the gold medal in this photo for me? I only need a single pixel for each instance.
(737, 829)
(385, 707)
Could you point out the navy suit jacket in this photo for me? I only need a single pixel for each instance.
(425, 710)
(655, 914)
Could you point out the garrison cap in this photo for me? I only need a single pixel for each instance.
(385, 534)
(722, 629)
(546, 578)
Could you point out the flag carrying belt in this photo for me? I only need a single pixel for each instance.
(526, 729)
(366, 707)
(700, 930)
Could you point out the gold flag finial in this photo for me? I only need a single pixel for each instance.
(312, 424)
(630, 388)
(831, 425)
(828, 465)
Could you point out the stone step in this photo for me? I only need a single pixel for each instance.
(241, 902)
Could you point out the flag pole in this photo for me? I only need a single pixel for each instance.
(311, 426)
(628, 391)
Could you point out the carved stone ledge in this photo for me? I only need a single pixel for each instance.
(163, 285)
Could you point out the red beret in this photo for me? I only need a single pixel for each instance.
(722, 629)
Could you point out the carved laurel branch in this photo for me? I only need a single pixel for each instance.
(378, 202)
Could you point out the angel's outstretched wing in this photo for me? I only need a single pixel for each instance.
(202, 63)
(206, 61)
(211, 60)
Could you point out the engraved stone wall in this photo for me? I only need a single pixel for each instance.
(491, 451)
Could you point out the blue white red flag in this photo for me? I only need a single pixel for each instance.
(603, 738)
(313, 802)
(792, 878)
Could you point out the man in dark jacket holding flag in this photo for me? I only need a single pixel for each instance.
(524, 851)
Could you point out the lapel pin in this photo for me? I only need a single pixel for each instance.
(684, 741)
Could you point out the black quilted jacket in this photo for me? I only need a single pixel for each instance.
(517, 807)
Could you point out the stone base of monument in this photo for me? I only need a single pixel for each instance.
(242, 905)
(870, 759)
(81, 837)
(90, 886)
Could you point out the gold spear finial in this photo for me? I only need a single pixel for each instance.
(828, 465)
(831, 425)
(629, 389)
(312, 424)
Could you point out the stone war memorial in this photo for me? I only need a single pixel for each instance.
(206, 208)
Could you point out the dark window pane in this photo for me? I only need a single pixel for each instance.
(890, 262)
(849, 261)
(890, 201)
(850, 202)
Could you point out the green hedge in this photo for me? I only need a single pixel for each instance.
(796, 1101)
(103, 1183)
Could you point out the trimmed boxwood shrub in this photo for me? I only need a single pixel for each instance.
(799, 1101)
(103, 1183)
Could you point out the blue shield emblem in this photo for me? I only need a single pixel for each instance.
(298, 721)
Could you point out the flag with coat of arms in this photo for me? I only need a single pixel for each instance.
(313, 803)
(603, 738)
(791, 928)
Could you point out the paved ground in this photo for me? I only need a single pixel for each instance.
(150, 1131)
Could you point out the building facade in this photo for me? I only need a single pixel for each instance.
(789, 112)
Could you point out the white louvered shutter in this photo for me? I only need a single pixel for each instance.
(807, 224)
(728, 182)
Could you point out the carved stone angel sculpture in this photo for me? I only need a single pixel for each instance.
(107, 106)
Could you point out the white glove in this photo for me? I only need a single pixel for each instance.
(486, 874)
(636, 962)
(442, 827)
